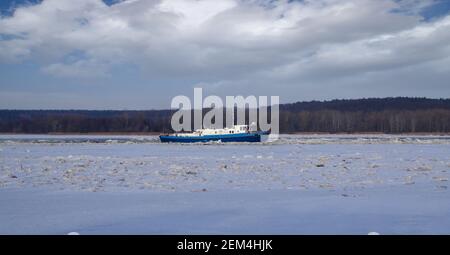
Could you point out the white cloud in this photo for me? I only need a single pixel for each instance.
(226, 41)
(79, 68)
(421, 44)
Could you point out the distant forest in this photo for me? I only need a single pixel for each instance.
(384, 115)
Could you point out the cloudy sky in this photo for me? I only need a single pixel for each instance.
(138, 54)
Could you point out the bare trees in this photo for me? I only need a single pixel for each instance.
(388, 115)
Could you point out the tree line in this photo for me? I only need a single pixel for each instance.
(384, 115)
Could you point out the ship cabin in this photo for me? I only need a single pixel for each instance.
(237, 129)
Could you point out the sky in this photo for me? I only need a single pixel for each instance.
(139, 54)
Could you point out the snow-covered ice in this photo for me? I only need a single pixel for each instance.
(300, 184)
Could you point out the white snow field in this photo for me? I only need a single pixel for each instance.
(300, 184)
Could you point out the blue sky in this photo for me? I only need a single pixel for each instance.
(440, 8)
(7, 7)
(88, 54)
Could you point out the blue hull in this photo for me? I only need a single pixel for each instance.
(253, 137)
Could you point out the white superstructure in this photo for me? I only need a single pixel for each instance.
(237, 129)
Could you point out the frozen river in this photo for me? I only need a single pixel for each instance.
(300, 184)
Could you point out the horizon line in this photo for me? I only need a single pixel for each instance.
(168, 109)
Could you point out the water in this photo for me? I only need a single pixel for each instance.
(300, 184)
(283, 139)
